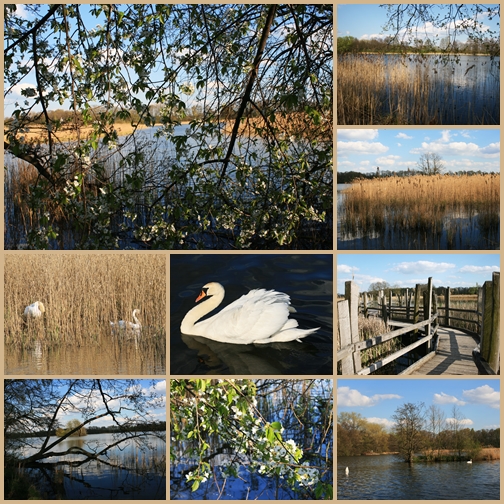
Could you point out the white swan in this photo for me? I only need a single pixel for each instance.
(469, 461)
(34, 310)
(347, 471)
(260, 317)
(127, 328)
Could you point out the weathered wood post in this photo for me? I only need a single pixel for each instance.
(447, 306)
(364, 296)
(491, 322)
(345, 336)
(429, 309)
(390, 304)
(408, 302)
(352, 296)
(416, 307)
(383, 307)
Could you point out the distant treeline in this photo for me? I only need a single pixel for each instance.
(350, 44)
(350, 176)
(358, 436)
(145, 427)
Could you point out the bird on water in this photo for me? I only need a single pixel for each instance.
(347, 471)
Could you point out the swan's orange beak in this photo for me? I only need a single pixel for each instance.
(201, 296)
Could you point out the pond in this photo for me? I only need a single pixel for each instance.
(128, 471)
(419, 89)
(110, 356)
(388, 477)
(307, 279)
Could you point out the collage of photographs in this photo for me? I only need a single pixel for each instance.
(170, 250)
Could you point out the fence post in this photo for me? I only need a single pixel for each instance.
(352, 296)
(416, 307)
(345, 335)
(490, 326)
(365, 304)
(383, 306)
(390, 304)
(408, 301)
(429, 308)
(447, 306)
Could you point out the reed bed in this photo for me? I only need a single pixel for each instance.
(461, 302)
(81, 295)
(423, 203)
(379, 89)
(369, 328)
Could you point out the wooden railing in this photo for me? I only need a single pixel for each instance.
(350, 353)
(486, 320)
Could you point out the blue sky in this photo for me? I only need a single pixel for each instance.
(367, 22)
(406, 270)
(362, 150)
(478, 401)
(156, 414)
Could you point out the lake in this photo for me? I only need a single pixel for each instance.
(416, 89)
(307, 279)
(389, 477)
(141, 475)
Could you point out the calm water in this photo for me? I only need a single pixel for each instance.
(105, 358)
(95, 480)
(307, 279)
(388, 477)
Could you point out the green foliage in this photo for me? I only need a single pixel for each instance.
(202, 410)
(273, 189)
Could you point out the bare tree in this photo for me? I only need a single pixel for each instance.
(431, 163)
(410, 420)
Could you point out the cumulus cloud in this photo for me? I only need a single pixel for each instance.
(444, 146)
(345, 268)
(357, 134)
(443, 398)
(388, 160)
(403, 136)
(353, 398)
(422, 267)
(361, 147)
(385, 422)
(485, 395)
(479, 269)
(463, 422)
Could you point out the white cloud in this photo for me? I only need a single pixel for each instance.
(462, 422)
(403, 136)
(385, 422)
(353, 398)
(388, 160)
(361, 147)
(345, 268)
(479, 269)
(447, 399)
(357, 134)
(422, 267)
(483, 395)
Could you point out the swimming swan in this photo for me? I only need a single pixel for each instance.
(469, 461)
(34, 310)
(347, 471)
(260, 317)
(128, 328)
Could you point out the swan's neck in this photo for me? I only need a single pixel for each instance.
(200, 310)
(135, 318)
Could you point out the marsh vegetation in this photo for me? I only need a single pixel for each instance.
(418, 89)
(82, 295)
(421, 212)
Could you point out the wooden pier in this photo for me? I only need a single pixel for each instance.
(452, 357)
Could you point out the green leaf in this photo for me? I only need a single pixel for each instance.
(277, 426)
(195, 486)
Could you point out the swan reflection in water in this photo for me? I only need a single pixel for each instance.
(259, 317)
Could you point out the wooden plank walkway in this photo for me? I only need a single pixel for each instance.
(453, 356)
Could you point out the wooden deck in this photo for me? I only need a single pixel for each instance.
(453, 355)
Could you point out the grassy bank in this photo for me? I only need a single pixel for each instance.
(81, 295)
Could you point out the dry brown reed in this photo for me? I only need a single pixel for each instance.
(421, 202)
(81, 295)
(369, 328)
(377, 89)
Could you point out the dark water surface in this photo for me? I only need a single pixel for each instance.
(307, 279)
(389, 477)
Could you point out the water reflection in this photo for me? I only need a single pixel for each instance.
(389, 477)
